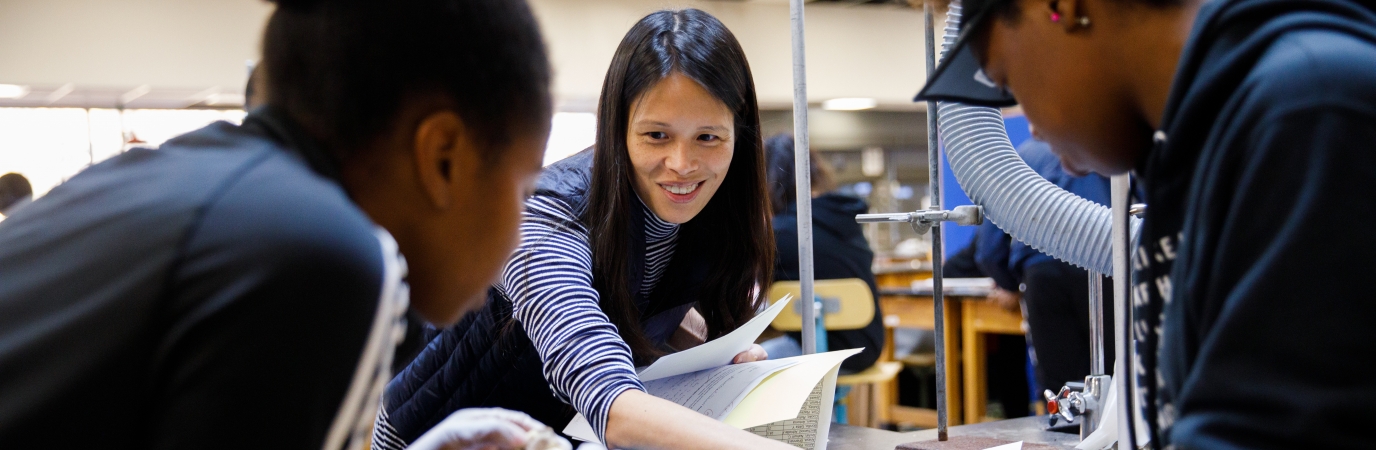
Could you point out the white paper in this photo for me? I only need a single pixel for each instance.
(1013, 446)
(956, 283)
(717, 392)
(714, 392)
(711, 354)
(717, 352)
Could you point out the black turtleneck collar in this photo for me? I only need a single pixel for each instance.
(278, 126)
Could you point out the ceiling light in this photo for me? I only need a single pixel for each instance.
(13, 91)
(848, 104)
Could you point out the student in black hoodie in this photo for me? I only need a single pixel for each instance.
(839, 249)
(1250, 124)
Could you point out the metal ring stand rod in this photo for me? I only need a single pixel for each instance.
(1096, 384)
(934, 164)
(930, 219)
(1122, 310)
(1096, 323)
(803, 175)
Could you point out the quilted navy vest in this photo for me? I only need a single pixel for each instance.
(486, 360)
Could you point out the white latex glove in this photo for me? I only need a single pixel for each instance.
(479, 429)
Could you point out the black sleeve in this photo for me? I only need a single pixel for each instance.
(786, 248)
(269, 316)
(962, 264)
(993, 254)
(1269, 340)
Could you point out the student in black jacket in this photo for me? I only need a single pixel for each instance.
(1250, 125)
(839, 249)
(243, 285)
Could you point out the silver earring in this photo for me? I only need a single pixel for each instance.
(1083, 21)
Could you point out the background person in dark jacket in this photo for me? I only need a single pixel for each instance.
(15, 191)
(1250, 125)
(839, 248)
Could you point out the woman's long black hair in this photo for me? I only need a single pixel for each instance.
(733, 231)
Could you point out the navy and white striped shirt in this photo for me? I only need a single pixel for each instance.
(549, 281)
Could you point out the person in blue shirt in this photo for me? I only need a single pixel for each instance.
(1053, 294)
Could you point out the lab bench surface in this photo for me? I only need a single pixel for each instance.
(1030, 430)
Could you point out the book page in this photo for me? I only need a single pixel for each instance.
(737, 394)
(715, 392)
(808, 430)
(781, 395)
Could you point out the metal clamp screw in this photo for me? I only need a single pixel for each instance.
(923, 220)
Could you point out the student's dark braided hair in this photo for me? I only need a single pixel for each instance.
(344, 68)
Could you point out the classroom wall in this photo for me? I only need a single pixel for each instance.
(853, 51)
(162, 43)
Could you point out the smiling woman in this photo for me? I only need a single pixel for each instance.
(680, 141)
(652, 241)
(678, 114)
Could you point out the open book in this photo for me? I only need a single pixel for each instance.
(788, 399)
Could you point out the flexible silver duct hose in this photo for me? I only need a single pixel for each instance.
(1022, 203)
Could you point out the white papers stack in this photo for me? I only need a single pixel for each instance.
(787, 399)
(971, 287)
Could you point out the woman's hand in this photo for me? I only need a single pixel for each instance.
(479, 428)
(754, 353)
(1008, 300)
